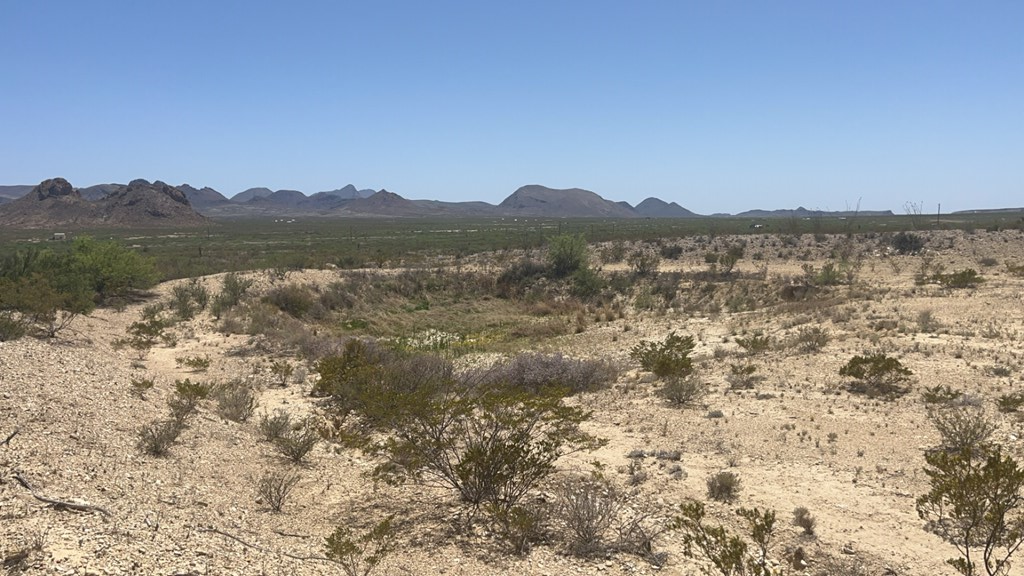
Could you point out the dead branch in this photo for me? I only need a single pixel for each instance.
(60, 504)
(7, 440)
(266, 550)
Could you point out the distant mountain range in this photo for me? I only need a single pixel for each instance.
(99, 204)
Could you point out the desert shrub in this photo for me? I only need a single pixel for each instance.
(587, 508)
(236, 401)
(272, 427)
(1010, 402)
(521, 525)
(907, 243)
(670, 357)
(567, 253)
(359, 555)
(723, 486)
(755, 344)
(11, 326)
(683, 391)
(974, 502)
(671, 251)
(876, 375)
(491, 444)
(185, 400)
(292, 299)
(963, 428)
(644, 262)
(139, 386)
(927, 322)
(282, 371)
(802, 518)
(514, 280)
(189, 298)
(273, 488)
(157, 437)
(743, 377)
(194, 363)
(298, 442)
(810, 338)
(144, 334)
(968, 278)
(587, 283)
(940, 394)
(48, 300)
(536, 373)
(1015, 269)
(339, 373)
(728, 553)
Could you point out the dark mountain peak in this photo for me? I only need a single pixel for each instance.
(140, 186)
(251, 193)
(54, 188)
(657, 208)
(537, 200)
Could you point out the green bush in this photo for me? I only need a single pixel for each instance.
(811, 339)
(974, 502)
(876, 375)
(359, 555)
(236, 401)
(963, 428)
(968, 278)
(157, 437)
(189, 298)
(907, 243)
(671, 357)
(298, 442)
(1010, 402)
(567, 253)
(755, 344)
(644, 262)
(683, 391)
(727, 552)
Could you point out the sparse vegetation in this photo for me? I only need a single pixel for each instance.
(723, 486)
(236, 401)
(728, 553)
(273, 488)
(359, 555)
(156, 438)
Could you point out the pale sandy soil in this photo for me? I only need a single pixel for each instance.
(78, 422)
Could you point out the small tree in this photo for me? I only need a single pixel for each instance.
(975, 504)
(876, 375)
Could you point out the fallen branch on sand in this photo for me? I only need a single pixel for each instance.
(60, 504)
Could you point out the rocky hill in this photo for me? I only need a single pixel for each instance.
(203, 198)
(535, 200)
(55, 203)
(657, 208)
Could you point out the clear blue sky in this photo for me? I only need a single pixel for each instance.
(718, 105)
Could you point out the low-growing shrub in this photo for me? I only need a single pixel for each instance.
(907, 243)
(292, 299)
(723, 486)
(274, 426)
(756, 344)
(726, 551)
(587, 509)
(1010, 402)
(188, 299)
(743, 377)
(140, 386)
(940, 394)
(359, 555)
(194, 363)
(157, 437)
(236, 401)
(273, 488)
(536, 372)
(683, 391)
(968, 278)
(298, 442)
(671, 357)
(810, 339)
(185, 400)
(802, 518)
(876, 375)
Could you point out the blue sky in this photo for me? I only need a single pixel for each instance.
(720, 106)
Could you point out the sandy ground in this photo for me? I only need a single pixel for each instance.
(799, 439)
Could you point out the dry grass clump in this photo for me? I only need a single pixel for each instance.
(273, 488)
(156, 438)
(236, 401)
(535, 372)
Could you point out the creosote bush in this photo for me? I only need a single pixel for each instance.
(727, 552)
(963, 428)
(273, 488)
(876, 375)
(810, 339)
(359, 555)
(587, 508)
(671, 357)
(567, 254)
(298, 442)
(975, 503)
